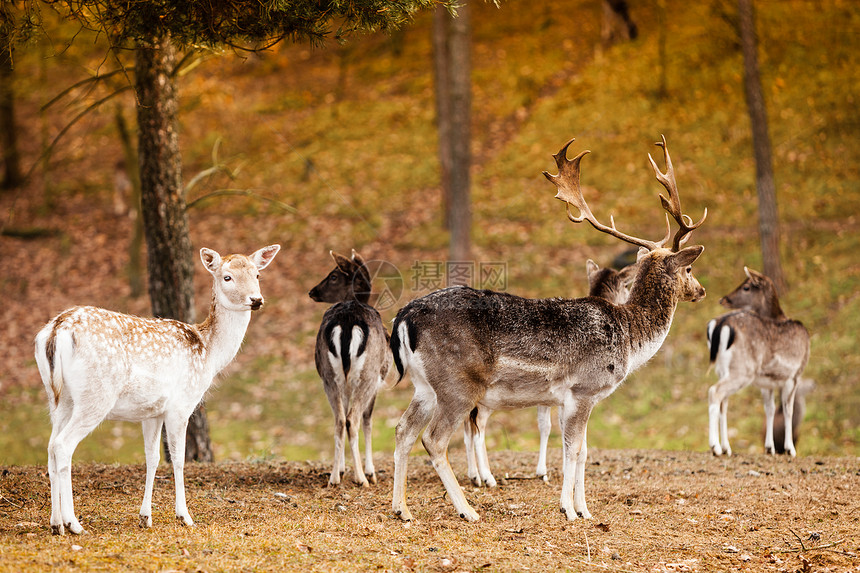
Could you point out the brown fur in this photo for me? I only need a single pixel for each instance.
(755, 344)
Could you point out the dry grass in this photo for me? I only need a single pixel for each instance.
(653, 511)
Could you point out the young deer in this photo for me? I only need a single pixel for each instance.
(100, 365)
(352, 358)
(755, 344)
(606, 283)
(465, 347)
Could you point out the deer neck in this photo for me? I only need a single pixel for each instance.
(648, 314)
(222, 334)
(772, 309)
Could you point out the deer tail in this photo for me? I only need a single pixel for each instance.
(721, 336)
(403, 343)
(52, 344)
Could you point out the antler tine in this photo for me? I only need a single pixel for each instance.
(569, 191)
(673, 204)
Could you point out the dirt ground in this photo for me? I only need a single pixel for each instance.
(653, 511)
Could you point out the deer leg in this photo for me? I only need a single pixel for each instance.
(367, 421)
(411, 423)
(724, 427)
(352, 429)
(789, 390)
(769, 412)
(576, 414)
(481, 447)
(80, 423)
(59, 418)
(544, 417)
(471, 451)
(176, 426)
(718, 426)
(338, 463)
(714, 407)
(436, 438)
(152, 450)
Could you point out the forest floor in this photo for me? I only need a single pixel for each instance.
(653, 511)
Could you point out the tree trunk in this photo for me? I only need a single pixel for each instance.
(460, 83)
(135, 262)
(441, 65)
(12, 176)
(767, 206)
(169, 260)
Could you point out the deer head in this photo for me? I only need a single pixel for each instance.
(676, 261)
(757, 293)
(348, 280)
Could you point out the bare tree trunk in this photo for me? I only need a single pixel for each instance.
(441, 65)
(135, 262)
(767, 206)
(169, 260)
(460, 83)
(12, 175)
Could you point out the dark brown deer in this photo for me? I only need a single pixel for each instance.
(465, 347)
(610, 284)
(352, 357)
(755, 344)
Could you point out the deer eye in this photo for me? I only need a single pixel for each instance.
(227, 278)
(746, 287)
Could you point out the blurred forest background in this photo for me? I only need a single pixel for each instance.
(334, 147)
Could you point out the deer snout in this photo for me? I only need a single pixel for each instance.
(726, 301)
(314, 294)
(256, 302)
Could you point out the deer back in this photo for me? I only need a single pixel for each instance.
(746, 342)
(351, 331)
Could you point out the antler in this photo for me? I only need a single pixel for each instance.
(570, 192)
(673, 204)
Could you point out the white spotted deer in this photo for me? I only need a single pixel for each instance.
(755, 344)
(465, 348)
(352, 357)
(101, 365)
(610, 284)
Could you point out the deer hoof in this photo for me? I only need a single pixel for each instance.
(145, 521)
(58, 530)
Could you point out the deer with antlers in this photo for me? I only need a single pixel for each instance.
(607, 283)
(465, 348)
(756, 344)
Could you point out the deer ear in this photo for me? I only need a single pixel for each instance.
(628, 273)
(591, 269)
(264, 256)
(344, 264)
(684, 257)
(211, 259)
(754, 276)
(357, 259)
